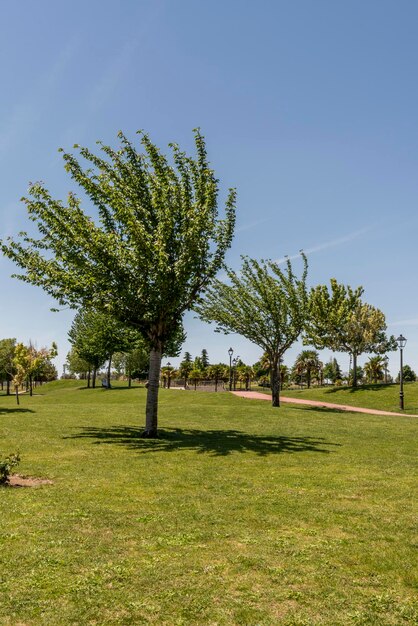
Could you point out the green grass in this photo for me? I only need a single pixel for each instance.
(380, 396)
(239, 514)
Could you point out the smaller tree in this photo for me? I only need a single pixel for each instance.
(408, 375)
(332, 371)
(195, 375)
(217, 372)
(245, 375)
(7, 368)
(265, 304)
(308, 364)
(97, 336)
(204, 358)
(28, 361)
(374, 369)
(78, 366)
(340, 321)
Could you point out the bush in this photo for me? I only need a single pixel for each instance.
(6, 465)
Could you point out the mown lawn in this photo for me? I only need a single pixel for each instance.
(380, 396)
(239, 514)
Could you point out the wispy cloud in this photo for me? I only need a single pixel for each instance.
(251, 225)
(410, 322)
(338, 241)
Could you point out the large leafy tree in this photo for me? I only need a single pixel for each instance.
(340, 321)
(153, 244)
(264, 303)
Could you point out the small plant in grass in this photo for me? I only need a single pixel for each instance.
(6, 465)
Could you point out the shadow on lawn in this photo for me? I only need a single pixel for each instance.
(216, 442)
(361, 389)
(4, 411)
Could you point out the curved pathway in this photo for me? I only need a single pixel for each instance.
(256, 395)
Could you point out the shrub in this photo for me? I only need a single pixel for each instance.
(6, 465)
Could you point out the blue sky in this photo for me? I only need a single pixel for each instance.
(308, 108)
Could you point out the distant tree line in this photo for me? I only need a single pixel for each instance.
(23, 366)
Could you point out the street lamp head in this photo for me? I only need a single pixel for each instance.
(230, 352)
(401, 341)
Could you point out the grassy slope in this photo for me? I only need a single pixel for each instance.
(384, 397)
(239, 514)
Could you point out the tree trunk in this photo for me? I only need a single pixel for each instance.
(8, 385)
(30, 386)
(108, 371)
(17, 394)
(354, 370)
(275, 381)
(94, 377)
(151, 411)
(129, 381)
(88, 378)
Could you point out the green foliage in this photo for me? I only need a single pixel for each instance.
(7, 353)
(408, 374)
(187, 357)
(30, 363)
(374, 369)
(157, 243)
(332, 371)
(264, 303)
(6, 466)
(340, 321)
(307, 365)
(76, 364)
(204, 358)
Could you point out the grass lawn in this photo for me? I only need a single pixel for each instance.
(239, 514)
(383, 397)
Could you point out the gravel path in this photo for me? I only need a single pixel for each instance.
(256, 395)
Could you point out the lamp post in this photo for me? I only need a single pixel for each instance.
(230, 352)
(234, 363)
(401, 341)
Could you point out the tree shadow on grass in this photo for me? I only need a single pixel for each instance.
(360, 389)
(4, 411)
(327, 409)
(214, 442)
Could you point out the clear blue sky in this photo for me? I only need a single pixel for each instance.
(309, 109)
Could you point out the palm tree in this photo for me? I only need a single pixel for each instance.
(217, 373)
(307, 362)
(374, 369)
(195, 374)
(245, 375)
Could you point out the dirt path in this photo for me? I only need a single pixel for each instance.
(256, 395)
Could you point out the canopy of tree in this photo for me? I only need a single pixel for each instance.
(156, 245)
(265, 304)
(339, 320)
